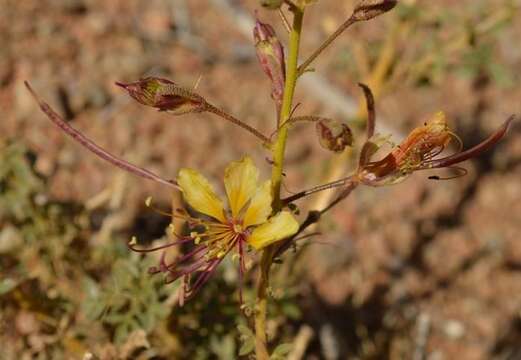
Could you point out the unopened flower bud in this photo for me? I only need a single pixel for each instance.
(271, 4)
(304, 3)
(165, 95)
(270, 53)
(333, 135)
(368, 9)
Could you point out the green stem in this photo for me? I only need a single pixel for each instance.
(278, 151)
(279, 147)
(261, 309)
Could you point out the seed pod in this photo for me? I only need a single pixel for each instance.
(333, 135)
(270, 53)
(165, 95)
(368, 9)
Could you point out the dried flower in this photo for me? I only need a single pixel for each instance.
(270, 53)
(418, 152)
(333, 135)
(247, 222)
(165, 95)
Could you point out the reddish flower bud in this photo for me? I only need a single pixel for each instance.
(270, 53)
(333, 135)
(165, 95)
(368, 9)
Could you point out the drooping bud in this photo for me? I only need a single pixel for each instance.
(368, 9)
(165, 95)
(271, 4)
(333, 135)
(270, 53)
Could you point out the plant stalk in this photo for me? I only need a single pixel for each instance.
(278, 151)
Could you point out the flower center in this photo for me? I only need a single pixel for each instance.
(237, 228)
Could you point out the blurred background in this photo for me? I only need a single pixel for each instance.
(421, 270)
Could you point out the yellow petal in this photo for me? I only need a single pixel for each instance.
(240, 181)
(277, 228)
(199, 194)
(260, 206)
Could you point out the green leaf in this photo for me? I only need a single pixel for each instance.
(248, 339)
(245, 331)
(281, 351)
(223, 348)
(7, 285)
(247, 347)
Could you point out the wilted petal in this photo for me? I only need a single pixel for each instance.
(240, 181)
(260, 206)
(199, 194)
(371, 146)
(277, 228)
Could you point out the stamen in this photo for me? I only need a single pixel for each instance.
(241, 270)
(132, 245)
(202, 279)
(196, 255)
(148, 204)
(458, 139)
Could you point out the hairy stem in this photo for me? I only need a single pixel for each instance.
(278, 151)
(302, 68)
(215, 110)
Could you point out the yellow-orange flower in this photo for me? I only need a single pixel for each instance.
(247, 220)
(248, 215)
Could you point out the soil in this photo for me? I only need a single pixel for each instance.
(423, 269)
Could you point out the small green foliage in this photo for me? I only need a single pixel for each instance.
(18, 184)
(281, 351)
(7, 285)
(247, 338)
(130, 299)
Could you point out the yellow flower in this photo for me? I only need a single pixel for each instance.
(246, 221)
(249, 207)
